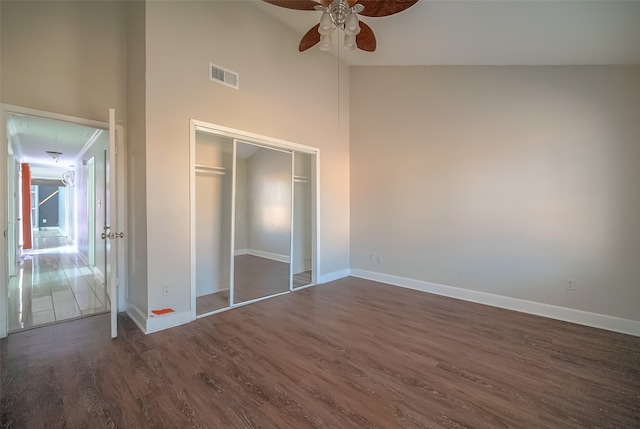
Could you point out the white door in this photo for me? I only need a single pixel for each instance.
(14, 216)
(113, 234)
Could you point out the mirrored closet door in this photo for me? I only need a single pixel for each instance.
(302, 248)
(263, 201)
(253, 218)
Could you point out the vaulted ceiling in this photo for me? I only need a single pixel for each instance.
(450, 32)
(507, 32)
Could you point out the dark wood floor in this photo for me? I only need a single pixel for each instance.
(347, 354)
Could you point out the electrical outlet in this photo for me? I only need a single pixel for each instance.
(372, 257)
(165, 290)
(570, 284)
(378, 260)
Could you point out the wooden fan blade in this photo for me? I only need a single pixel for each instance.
(366, 40)
(310, 39)
(294, 4)
(385, 8)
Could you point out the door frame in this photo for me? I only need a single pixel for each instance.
(260, 140)
(5, 109)
(13, 205)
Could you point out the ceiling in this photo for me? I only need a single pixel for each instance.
(33, 136)
(508, 32)
(447, 32)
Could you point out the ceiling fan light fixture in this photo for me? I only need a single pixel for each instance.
(325, 42)
(338, 11)
(352, 24)
(350, 42)
(326, 24)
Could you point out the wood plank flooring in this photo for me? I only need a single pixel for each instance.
(348, 354)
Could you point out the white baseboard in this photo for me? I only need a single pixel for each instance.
(596, 320)
(240, 252)
(269, 255)
(334, 275)
(157, 323)
(138, 317)
(154, 323)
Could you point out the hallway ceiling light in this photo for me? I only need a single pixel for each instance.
(53, 154)
(343, 15)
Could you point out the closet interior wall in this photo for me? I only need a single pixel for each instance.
(213, 183)
(302, 255)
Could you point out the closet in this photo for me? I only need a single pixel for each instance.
(213, 206)
(253, 216)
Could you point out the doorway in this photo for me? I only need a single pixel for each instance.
(253, 217)
(60, 269)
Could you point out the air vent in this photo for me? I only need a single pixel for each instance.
(224, 76)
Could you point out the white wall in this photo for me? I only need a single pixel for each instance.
(62, 205)
(505, 180)
(283, 94)
(65, 57)
(97, 152)
(136, 238)
(70, 213)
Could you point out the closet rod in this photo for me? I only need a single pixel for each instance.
(210, 170)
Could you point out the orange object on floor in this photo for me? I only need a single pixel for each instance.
(163, 311)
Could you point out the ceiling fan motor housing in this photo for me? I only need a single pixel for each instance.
(338, 11)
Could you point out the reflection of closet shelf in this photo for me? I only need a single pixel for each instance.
(206, 169)
(301, 179)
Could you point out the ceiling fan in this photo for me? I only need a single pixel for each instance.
(343, 15)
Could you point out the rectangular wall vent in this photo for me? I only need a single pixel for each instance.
(224, 76)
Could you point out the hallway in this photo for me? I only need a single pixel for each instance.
(53, 284)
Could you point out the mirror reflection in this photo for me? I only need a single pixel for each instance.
(262, 222)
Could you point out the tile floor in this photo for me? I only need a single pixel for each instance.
(53, 284)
